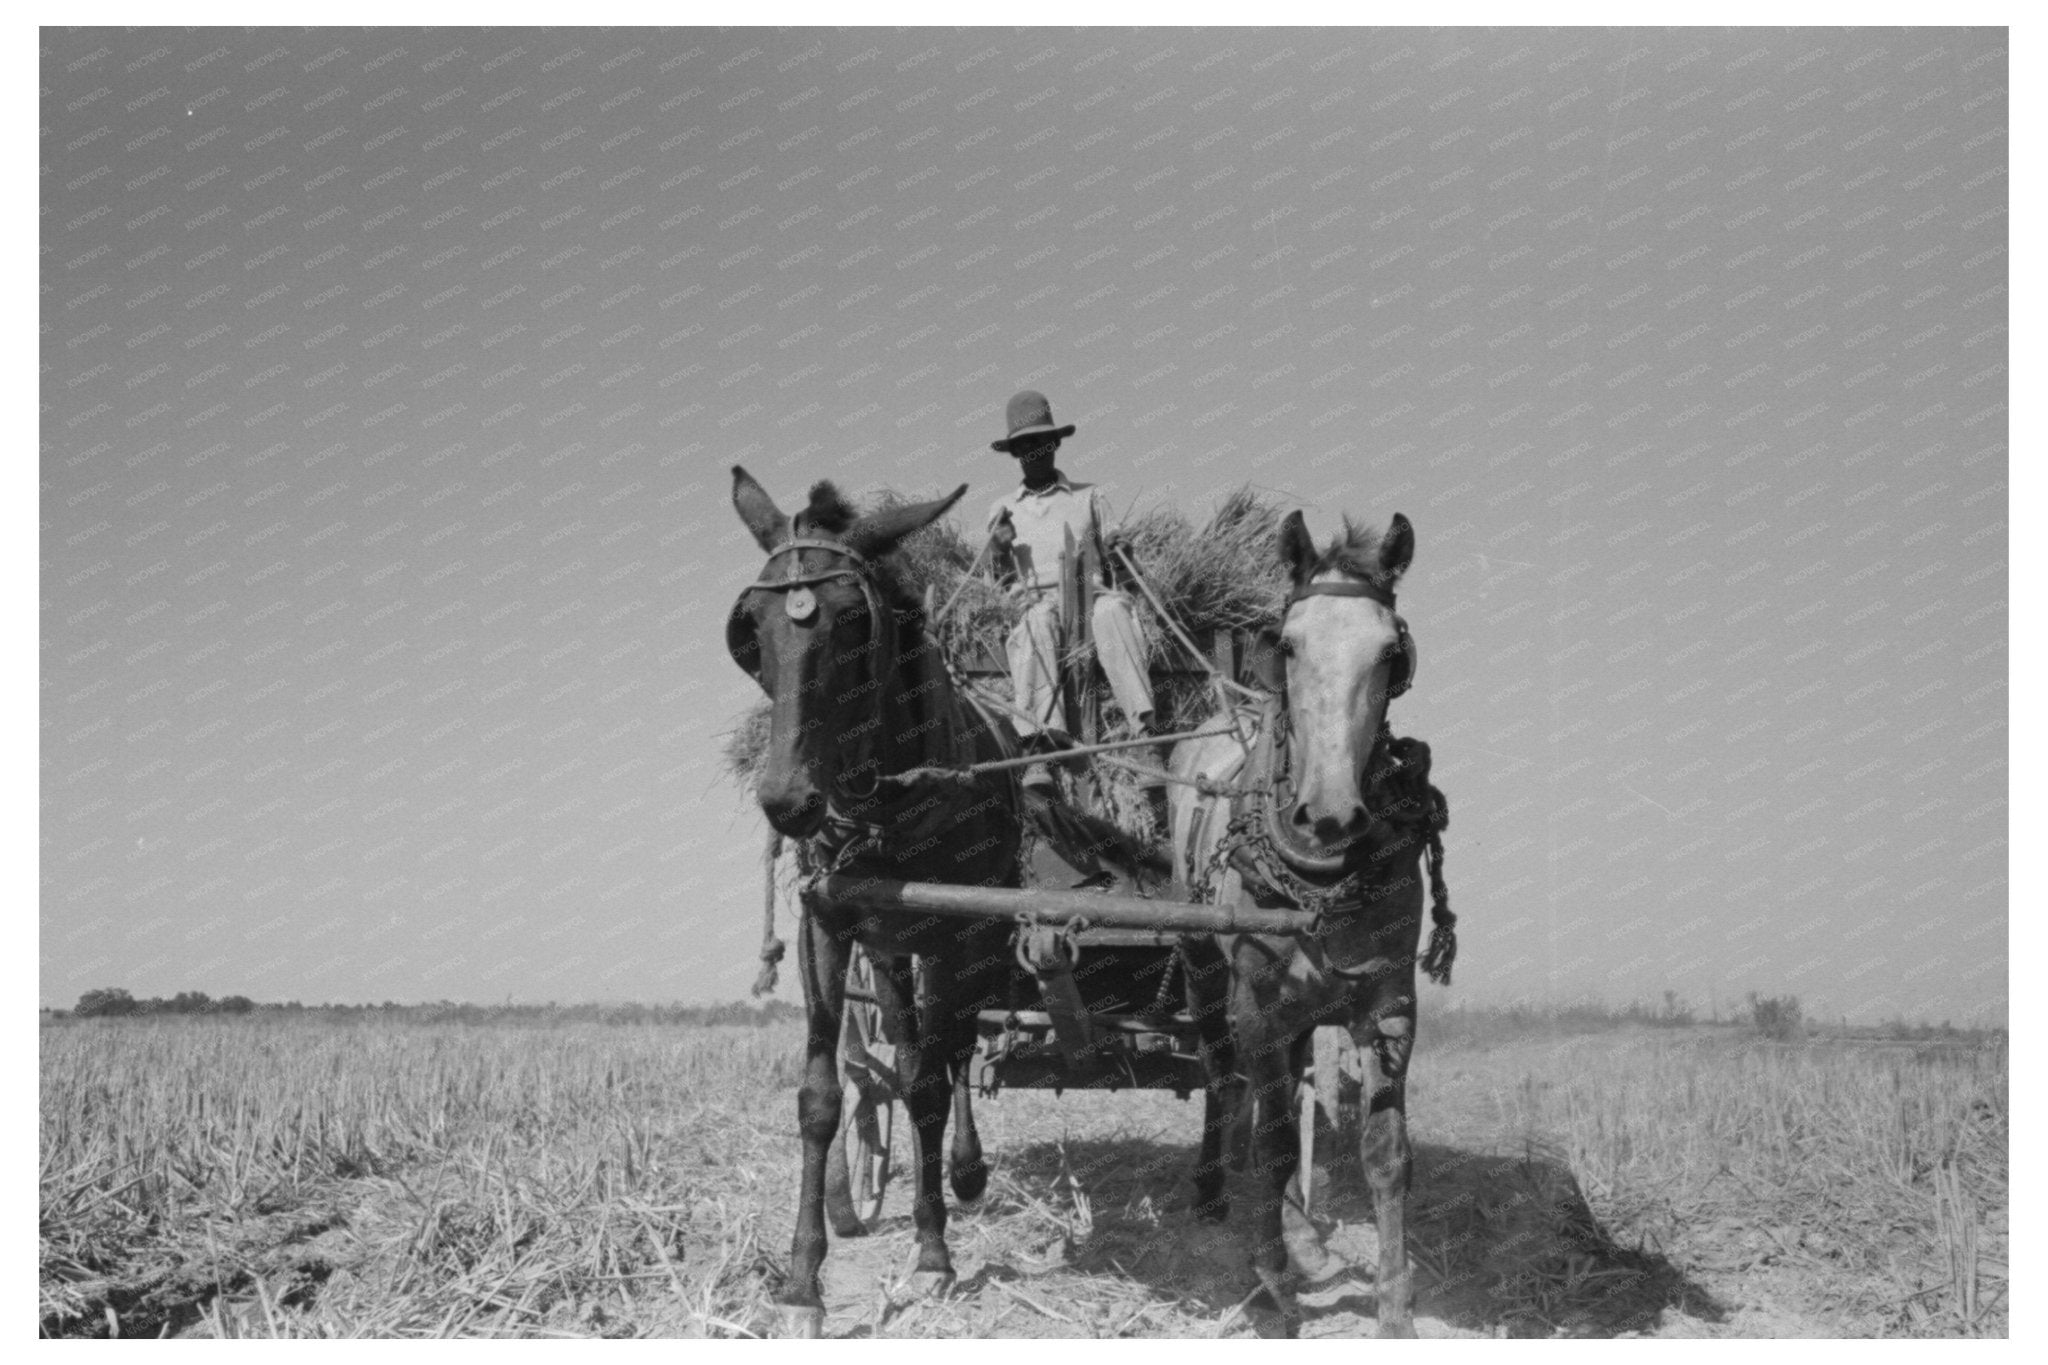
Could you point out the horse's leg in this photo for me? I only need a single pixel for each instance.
(822, 955)
(839, 1210)
(1212, 1204)
(1274, 1157)
(1265, 1051)
(970, 1170)
(1222, 1089)
(928, 1095)
(1385, 1039)
(858, 1045)
(1306, 1254)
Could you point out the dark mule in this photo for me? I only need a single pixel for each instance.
(859, 695)
(1339, 818)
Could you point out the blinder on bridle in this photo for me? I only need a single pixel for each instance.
(799, 603)
(1402, 675)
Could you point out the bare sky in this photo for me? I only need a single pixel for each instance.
(389, 381)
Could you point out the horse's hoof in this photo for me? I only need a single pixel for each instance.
(1309, 1262)
(852, 1227)
(970, 1182)
(932, 1284)
(1271, 1308)
(1396, 1311)
(1215, 1210)
(1274, 1324)
(1316, 1270)
(800, 1322)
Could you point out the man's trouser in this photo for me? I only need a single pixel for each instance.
(1119, 646)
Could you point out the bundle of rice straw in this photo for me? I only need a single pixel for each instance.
(1225, 576)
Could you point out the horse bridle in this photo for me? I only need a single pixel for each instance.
(1277, 744)
(1262, 851)
(1397, 683)
(801, 605)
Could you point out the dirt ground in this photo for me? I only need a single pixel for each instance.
(1087, 1230)
(1629, 1183)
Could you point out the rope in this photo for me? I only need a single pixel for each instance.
(976, 690)
(1172, 624)
(772, 948)
(1083, 750)
(980, 696)
(961, 587)
(1443, 938)
(895, 796)
(1205, 785)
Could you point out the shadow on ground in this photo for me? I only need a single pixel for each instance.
(1503, 1245)
(1506, 1244)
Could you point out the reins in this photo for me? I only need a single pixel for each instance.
(1250, 842)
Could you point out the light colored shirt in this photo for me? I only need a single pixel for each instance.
(1042, 519)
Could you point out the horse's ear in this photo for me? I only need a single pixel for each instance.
(1297, 548)
(1397, 547)
(879, 533)
(758, 511)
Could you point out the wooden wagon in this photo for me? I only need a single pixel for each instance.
(1096, 996)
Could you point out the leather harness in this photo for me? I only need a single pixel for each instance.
(1252, 849)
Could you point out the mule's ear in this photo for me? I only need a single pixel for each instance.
(1397, 547)
(878, 534)
(1297, 548)
(758, 511)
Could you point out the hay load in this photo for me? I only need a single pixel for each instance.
(1225, 575)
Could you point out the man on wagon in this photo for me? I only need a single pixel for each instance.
(1028, 530)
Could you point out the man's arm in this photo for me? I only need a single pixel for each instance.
(1002, 534)
(1109, 539)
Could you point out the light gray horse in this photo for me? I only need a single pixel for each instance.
(1337, 817)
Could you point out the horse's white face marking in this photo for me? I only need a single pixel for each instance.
(1340, 653)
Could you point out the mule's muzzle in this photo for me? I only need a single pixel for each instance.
(1330, 831)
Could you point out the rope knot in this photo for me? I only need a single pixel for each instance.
(771, 953)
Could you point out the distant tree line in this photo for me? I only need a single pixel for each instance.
(1780, 1018)
(111, 1002)
(114, 1002)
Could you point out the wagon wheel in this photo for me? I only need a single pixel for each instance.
(859, 1164)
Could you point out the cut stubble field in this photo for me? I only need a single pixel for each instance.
(274, 1176)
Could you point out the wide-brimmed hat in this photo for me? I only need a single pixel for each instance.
(1030, 415)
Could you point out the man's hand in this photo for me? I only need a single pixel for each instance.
(1118, 559)
(1004, 533)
